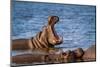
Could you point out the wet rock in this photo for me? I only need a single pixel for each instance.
(90, 54)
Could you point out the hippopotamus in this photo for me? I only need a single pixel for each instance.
(28, 58)
(77, 55)
(47, 38)
(90, 54)
(81, 55)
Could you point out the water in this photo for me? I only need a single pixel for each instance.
(76, 25)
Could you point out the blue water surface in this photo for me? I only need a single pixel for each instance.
(76, 25)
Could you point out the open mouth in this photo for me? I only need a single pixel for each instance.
(55, 34)
(51, 22)
(57, 38)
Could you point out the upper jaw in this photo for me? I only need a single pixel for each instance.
(52, 20)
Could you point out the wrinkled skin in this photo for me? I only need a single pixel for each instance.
(27, 59)
(46, 38)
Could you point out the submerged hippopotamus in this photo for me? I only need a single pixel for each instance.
(28, 58)
(77, 55)
(90, 54)
(44, 39)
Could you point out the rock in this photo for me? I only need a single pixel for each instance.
(90, 54)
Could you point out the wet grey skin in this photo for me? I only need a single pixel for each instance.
(47, 38)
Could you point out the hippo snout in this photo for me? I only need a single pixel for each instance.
(58, 41)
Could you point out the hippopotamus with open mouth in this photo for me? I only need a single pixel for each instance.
(46, 38)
